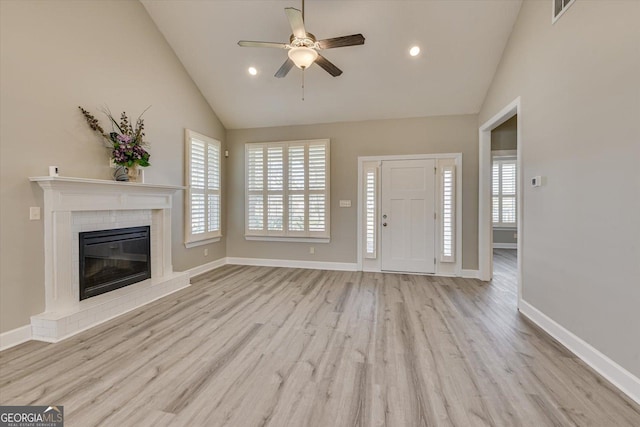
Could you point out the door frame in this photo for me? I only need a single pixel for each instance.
(485, 226)
(458, 160)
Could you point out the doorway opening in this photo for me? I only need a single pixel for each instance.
(500, 196)
(504, 154)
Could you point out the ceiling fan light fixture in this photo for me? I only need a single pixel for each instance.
(302, 56)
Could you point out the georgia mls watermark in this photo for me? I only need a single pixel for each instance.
(31, 416)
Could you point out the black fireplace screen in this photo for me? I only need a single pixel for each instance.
(112, 259)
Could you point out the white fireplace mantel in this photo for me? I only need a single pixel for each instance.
(78, 204)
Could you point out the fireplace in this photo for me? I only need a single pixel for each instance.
(78, 205)
(112, 259)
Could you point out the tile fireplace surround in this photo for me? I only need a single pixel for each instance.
(74, 205)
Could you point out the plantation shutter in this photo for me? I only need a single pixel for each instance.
(255, 189)
(371, 212)
(503, 188)
(203, 201)
(287, 189)
(447, 253)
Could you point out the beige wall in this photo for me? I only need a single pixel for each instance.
(505, 137)
(579, 82)
(449, 134)
(57, 55)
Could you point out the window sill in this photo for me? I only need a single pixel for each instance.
(289, 239)
(201, 242)
(504, 227)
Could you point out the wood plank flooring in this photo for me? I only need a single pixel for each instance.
(260, 346)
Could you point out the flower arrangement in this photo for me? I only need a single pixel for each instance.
(125, 141)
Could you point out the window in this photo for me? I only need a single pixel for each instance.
(447, 252)
(559, 7)
(370, 210)
(287, 190)
(503, 185)
(202, 204)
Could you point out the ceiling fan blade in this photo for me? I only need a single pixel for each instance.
(297, 23)
(246, 43)
(344, 41)
(328, 66)
(284, 68)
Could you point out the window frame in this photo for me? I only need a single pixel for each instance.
(370, 208)
(285, 235)
(501, 159)
(565, 5)
(448, 220)
(209, 236)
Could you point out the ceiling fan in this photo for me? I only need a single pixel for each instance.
(303, 47)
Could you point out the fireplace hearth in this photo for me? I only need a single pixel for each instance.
(112, 259)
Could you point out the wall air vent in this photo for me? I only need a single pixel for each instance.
(559, 7)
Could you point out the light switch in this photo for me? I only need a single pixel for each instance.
(345, 203)
(34, 213)
(536, 181)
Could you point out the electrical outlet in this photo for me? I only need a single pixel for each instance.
(34, 213)
(312, 250)
(206, 252)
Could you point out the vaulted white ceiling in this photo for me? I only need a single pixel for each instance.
(461, 44)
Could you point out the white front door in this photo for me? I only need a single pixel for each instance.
(407, 216)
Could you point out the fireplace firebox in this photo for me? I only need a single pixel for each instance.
(112, 259)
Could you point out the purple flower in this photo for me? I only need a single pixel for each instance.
(124, 138)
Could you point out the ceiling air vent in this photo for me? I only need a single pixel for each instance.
(559, 7)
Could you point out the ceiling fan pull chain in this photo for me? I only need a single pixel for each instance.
(303, 84)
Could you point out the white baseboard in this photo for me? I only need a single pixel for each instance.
(314, 265)
(470, 274)
(15, 336)
(624, 380)
(505, 245)
(200, 269)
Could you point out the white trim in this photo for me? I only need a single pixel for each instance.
(504, 153)
(505, 245)
(290, 239)
(359, 212)
(409, 157)
(313, 265)
(614, 373)
(205, 268)
(470, 274)
(189, 245)
(485, 225)
(458, 162)
(555, 17)
(15, 336)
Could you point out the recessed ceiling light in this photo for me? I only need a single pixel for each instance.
(414, 51)
(253, 71)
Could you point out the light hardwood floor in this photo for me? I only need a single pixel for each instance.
(255, 346)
